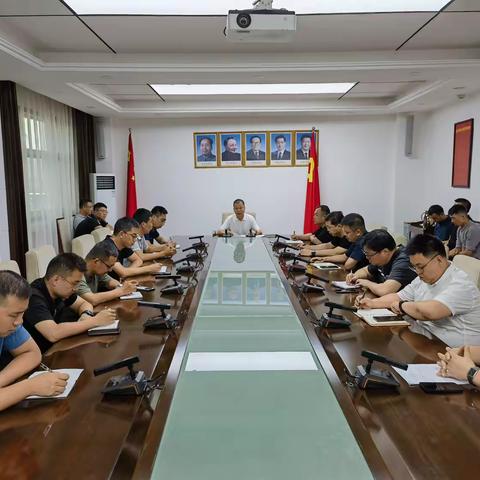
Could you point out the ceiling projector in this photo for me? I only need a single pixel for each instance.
(261, 24)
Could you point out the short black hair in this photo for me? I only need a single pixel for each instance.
(306, 135)
(65, 264)
(84, 201)
(124, 224)
(435, 210)
(255, 136)
(103, 251)
(278, 137)
(325, 209)
(335, 218)
(239, 200)
(227, 139)
(466, 203)
(457, 208)
(377, 240)
(354, 221)
(12, 283)
(99, 205)
(427, 245)
(158, 210)
(205, 138)
(142, 215)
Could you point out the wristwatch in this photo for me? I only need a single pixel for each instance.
(89, 313)
(471, 374)
(400, 307)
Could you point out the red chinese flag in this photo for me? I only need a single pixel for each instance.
(131, 188)
(312, 199)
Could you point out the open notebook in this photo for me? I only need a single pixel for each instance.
(381, 317)
(325, 266)
(73, 373)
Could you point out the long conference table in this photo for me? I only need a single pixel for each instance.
(252, 389)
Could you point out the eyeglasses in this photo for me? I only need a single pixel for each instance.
(134, 236)
(73, 285)
(421, 268)
(370, 255)
(106, 264)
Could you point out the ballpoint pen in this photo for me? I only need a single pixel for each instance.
(44, 367)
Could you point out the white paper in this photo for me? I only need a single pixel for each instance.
(377, 312)
(163, 269)
(425, 372)
(110, 326)
(368, 314)
(325, 265)
(345, 285)
(73, 373)
(132, 296)
(249, 361)
(293, 242)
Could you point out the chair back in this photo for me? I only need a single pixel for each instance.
(470, 265)
(10, 265)
(99, 234)
(37, 260)
(64, 236)
(83, 244)
(225, 215)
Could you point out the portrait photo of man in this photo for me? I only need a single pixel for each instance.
(205, 148)
(231, 148)
(256, 144)
(303, 142)
(281, 145)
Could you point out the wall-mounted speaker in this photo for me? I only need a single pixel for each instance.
(409, 136)
(99, 139)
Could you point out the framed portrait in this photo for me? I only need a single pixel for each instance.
(205, 149)
(303, 140)
(280, 148)
(255, 149)
(230, 149)
(462, 153)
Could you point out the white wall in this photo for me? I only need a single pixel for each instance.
(4, 243)
(356, 159)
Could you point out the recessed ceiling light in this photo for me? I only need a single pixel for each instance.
(219, 7)
(253, 89)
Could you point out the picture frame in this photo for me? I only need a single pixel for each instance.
(230, 149)
(205, 149)
(462, 153)
(279, 148)
(302, 159)
(255, 147)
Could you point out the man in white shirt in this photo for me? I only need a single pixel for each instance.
(441, 302)
(240, 223)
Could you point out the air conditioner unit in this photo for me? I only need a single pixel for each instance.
(102, 189)
(261, 26)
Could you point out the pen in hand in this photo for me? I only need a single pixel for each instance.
(44, 367)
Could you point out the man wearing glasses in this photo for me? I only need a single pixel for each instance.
(125, 233)
(389, 268)
(441, 302)
(54, 310)
(100, 261)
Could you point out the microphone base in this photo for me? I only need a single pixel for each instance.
(309, 287)
(295, 267)
(173, 290)
(185, 269)
(160, 323)
(331, 320)
(125, 385)
(375, 380)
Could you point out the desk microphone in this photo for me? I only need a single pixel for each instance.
(135, 383)
(366, 378)
(199, 238)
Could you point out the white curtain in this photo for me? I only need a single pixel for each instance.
(49, 165)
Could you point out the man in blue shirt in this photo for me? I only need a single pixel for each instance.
(14, 295)
(443, 224)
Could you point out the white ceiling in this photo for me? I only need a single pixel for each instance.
(400, 62)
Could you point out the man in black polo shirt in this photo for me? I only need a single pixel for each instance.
(354, 231)
(125, 233)
(47, 318)
(389, 270)
(159, 218)
(96, 220)
(320, 235)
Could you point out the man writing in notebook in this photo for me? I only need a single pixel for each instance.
(14, 295)
(320, 235)
(54, 310)
(441, 302)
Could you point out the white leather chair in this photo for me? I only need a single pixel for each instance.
(64, 236)
(10, 265)
(400, 239)
(225, 215)
(37, 260)
(376, 227)
(470, 265)
(83, 244)
(99, 234)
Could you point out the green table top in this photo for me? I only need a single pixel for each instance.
(255, 424)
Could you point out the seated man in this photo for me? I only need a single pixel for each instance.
(240, 223)
(337, 245)
(144, 249)
(354, 231)
(468, 233)
(159, 218)
(442, 301)
(320, 235)
(47, 318)
(96, 220)
(128, 264)
(389, 268)
(14, 295)
(99, 261)
(86, 208)
(443, 224)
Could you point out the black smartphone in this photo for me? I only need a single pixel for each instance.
(391, 318)
(440, 388)
(142, 288)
